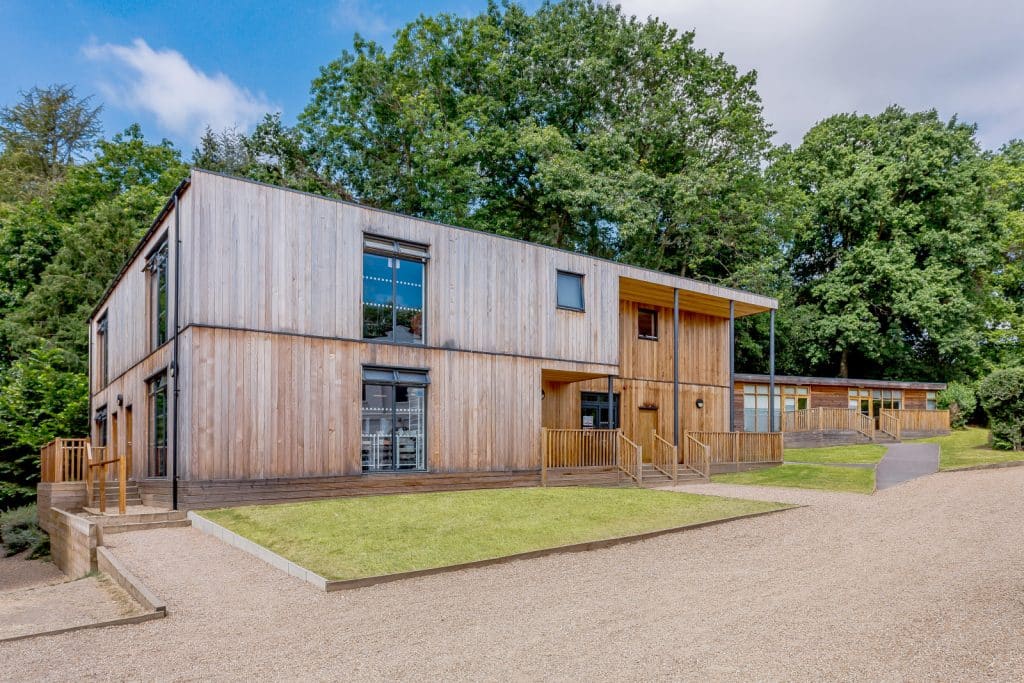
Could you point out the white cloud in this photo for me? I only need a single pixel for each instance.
(183, 99)
(815, 58)
(361, 17)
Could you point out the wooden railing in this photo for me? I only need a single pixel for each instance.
(63, 460)
(740, 448)
(665, 457)
(696, 455)
(631, 458)
(580, 448)
(924, 420)
(71, 460)
(827, 420)
(889, 422)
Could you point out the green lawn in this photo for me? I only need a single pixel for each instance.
(860, 453)
(348, 538)
(828, 477)
(968, 447)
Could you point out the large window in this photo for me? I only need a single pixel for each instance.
(394, 419)
(157, 395)
(755, 405)
(647, 324)
(393, 279)
(570, 291)
(594, 410)
(103, 350)
(101, 426)
(156, 267)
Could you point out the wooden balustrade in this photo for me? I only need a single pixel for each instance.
(63, 460)
(70, 460)
(665, 457)
(823, 419)
(924, 420)
(741, 448)
(889, 422)
(631, 458)
(696, 455)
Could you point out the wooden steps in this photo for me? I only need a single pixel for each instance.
(131, 491)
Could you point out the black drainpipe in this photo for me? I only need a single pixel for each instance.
(174, 362)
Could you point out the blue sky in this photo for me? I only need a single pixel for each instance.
(177, 66)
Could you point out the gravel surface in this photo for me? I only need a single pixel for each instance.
(18, 572)
(919, 582)
(53, 606)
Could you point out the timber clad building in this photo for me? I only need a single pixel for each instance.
(266, 344)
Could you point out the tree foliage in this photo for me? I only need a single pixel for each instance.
(1002, 397)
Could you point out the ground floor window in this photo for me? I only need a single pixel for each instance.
(873, 402)
(156, 394)
(594, 410)
(101, 426)
(931, 401)
(394, 418)
(788, 399)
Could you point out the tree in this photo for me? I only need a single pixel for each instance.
(46, 132)
(1007, 328)
(891, 263)
(1002, 397)
(575, 126)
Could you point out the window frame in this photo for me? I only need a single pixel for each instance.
(159, 378)
(583, 295)
(409, 377)
(157, 265)
(654, 314)
(103, 341)
(931, 400)
(599, 399)
(102, 420)
(393, 248)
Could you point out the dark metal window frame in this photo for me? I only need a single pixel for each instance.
(599, 400)
(155, 384)
(583, 295)
(654, 315)
(398, 249)
(397, 381)
(102, 423)
(157, 269)
(104, 340)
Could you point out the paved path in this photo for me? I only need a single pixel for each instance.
(919, 582)
(906, 461)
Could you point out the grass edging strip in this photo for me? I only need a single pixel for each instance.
(328, 585)
(986, 466)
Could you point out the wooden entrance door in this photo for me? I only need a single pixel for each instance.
(647, 424)
(128, 440)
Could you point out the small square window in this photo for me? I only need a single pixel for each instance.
(570, 291)
(647, 324)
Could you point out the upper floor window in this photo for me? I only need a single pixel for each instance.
(156, 268)
(103, 350)
(393, 282)
(931, 400)
(647, 324)
(570, 291)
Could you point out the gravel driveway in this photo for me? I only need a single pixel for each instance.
(922, 581)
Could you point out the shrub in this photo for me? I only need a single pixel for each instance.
(19, 530)
(1002, 397)
(961, 402)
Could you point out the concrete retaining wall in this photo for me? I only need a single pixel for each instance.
(73, 542)
(68, 495)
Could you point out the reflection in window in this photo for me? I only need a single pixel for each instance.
(647, 323)
(394, 420)
(157, 395)
(594, 410)
(393, 279)
(156, 267)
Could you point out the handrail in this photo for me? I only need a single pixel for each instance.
(696, 455)
(889, 423)
(92, 463)
(665, 457)
(630, 458)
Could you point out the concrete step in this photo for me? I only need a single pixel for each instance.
(144, 526)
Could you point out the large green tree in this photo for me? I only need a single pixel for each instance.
(575, 126)
(1007, 328)
(898, 238)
